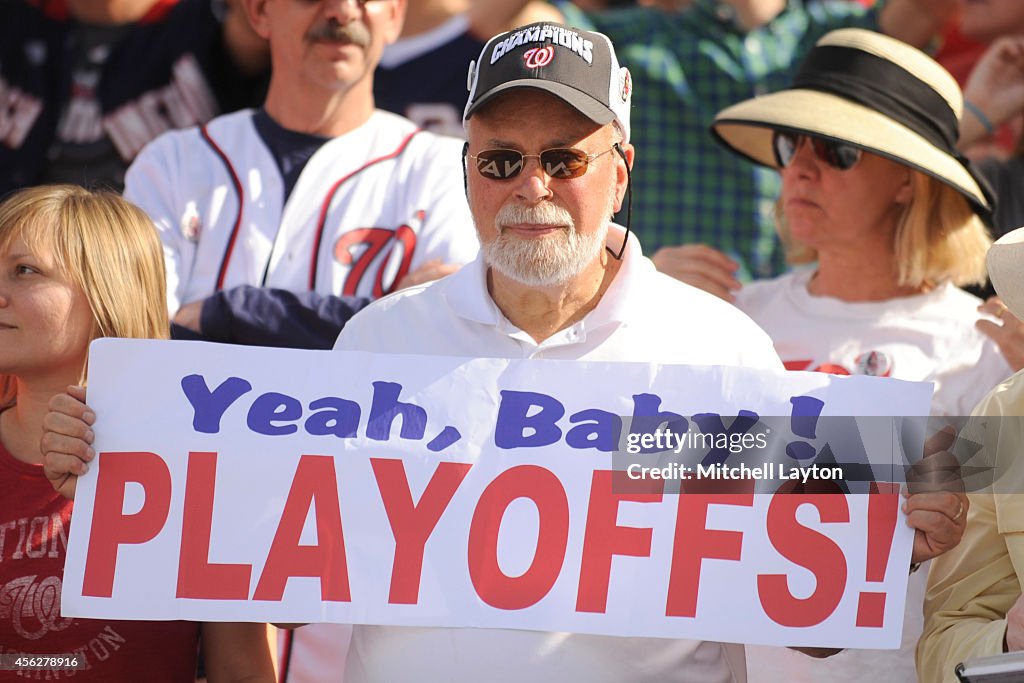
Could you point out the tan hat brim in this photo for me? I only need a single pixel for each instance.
(747, 128)
(1006, 270)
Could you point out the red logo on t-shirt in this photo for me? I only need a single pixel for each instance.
(872, 363)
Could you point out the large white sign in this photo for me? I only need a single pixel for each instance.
(296, 486)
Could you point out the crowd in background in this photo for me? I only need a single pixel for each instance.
(300, 160)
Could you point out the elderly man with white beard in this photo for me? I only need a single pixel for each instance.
(547, 164)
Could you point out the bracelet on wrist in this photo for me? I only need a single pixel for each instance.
(980, 115)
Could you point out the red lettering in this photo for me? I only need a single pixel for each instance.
(694, 541)
(545, 490)
(197, 577)
(110, 526)
(315, 482)
(604, 538)
(412, 523)
(809, 549)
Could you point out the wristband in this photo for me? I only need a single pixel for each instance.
(982, 119)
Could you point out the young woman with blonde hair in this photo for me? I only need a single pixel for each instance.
(77, 265)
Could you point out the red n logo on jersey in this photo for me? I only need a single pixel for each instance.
(367, 249)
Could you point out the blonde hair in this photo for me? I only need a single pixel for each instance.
(104, 245)
(938, 238)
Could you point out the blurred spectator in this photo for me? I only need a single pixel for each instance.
(667, 5)
(689, 65)
(995, 92)
(974, 606)
(279, 223)
(85, 84)
(423, 75)
(959, 53)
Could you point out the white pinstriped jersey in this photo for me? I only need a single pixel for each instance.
(369, 206)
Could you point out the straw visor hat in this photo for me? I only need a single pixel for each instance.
(1006, 269)
(874, 92)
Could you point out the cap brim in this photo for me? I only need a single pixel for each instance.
(578, 100)
(1006, 270)
(747, 128)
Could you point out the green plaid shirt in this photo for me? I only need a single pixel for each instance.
(687, 67)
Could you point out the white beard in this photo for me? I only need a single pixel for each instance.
(546, 261)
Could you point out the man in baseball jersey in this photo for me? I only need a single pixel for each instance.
(316, 194)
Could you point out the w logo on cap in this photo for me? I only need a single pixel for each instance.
(538, 57)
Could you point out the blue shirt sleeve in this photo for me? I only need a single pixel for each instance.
(262, 316)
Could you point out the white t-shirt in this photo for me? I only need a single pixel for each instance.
(928, 337)
(643, 316)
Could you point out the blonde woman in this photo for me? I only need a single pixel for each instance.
(76, 265)
(889, 219)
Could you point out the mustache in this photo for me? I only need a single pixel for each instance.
(354, 32)
(540, 214)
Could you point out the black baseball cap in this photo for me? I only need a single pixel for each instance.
(578, 67)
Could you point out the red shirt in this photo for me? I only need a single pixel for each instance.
(34, 520)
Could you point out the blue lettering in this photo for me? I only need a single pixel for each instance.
(647, 417)
(208, 406)
(601, 431)
(514, 420)
(386, 407)
(711, 423)
(274, 407)
(804, 421)
(338, 417)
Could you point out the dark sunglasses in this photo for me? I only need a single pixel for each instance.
(838, 155)
(505, 164)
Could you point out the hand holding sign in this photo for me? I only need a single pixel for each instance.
(67, 439)
(936, 504)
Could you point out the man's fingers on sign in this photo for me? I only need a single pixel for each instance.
(938, 519)
(936, 505)
(938, 469)
(1007, 331)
